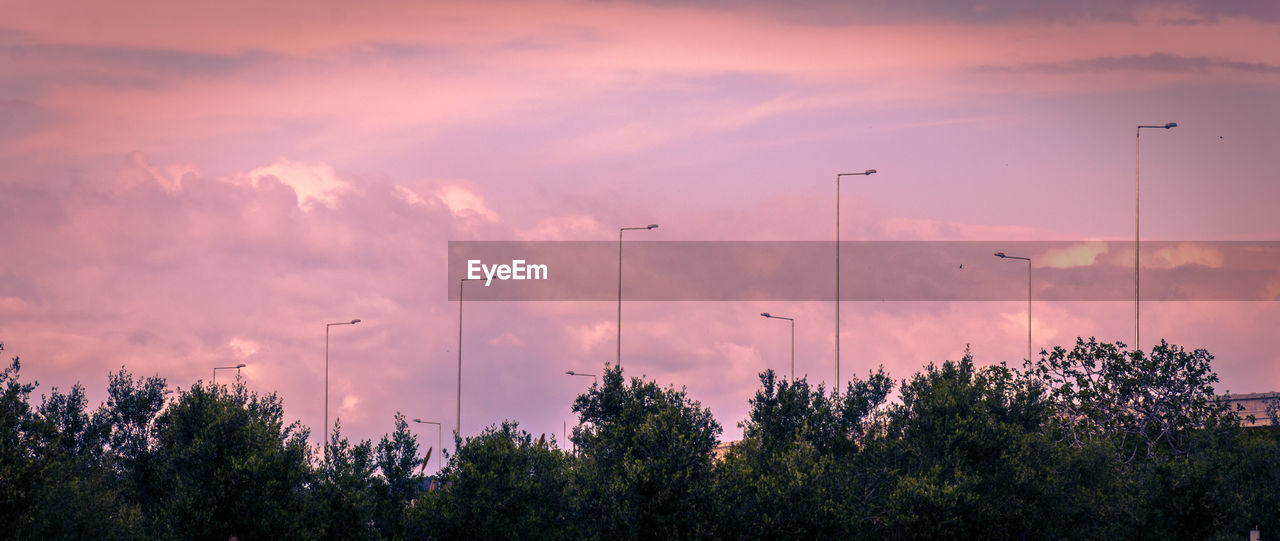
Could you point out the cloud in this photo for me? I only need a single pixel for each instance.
(313, 183)
(1152, 63)
(464, 202)
(243, 348)
(1184, 254)
(1076, 255)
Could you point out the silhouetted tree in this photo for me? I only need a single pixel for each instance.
(344, 496)
(501, 484)
(645, 460)
(397, 456)
(227, 465)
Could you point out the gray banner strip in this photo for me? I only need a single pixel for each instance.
(870, 271)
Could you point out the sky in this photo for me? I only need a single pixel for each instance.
(190, 185)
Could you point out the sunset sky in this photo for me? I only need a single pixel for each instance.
(188, 185)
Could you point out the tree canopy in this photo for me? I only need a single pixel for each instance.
(1098, 441)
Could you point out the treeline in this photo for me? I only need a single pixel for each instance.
(1094, 442)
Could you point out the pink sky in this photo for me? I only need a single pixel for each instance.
(186, 186)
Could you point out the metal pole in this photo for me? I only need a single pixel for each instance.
(326, 389)
(620, 230)
(1003, 255)
(217, 368)
(439, 441)
(326, 379)
(1137, 176)
(793, 350)
(458, 426)
(868, 173)
(618, 362)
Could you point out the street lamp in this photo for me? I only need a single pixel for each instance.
(868, 173)
(439, 440)
(593, 376)
(1137, 151)
(793, 340)
(217, 368)
(620, 230)
(326, 378)
(459, 410)
(1002, 255)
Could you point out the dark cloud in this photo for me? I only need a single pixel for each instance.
(1263, 10)
(158, 60)
(32, 66)
(1154, 63)
(831, 12)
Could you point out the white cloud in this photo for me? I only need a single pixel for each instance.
(313, 183)
(568, 227)
(1075, 255)
(243, 348)
(461, 200)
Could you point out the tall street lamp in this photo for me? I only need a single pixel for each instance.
(326, 378)
(1137, 151)
(217, 368)
(594, 381)
(459, 410)
(593, 376)
(793, 340)
(868, 173)
(620, 230)
(439, 440)
(1002, 255)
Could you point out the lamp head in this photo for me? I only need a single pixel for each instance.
(869, 172)
(570, 372)
(1001, 255)
(417, 420)
(241, 365)
(652, 226)
(1171, 125)
(765, 314)
(354, 321)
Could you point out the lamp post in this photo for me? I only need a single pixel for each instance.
(594, 381)
(326, 378)
(439, 440)
(1002, 255)
(1137, 152)
(458, 426)
(793, 340)
(217, 368)
(868, 173)
(593, 376)
(620, 230)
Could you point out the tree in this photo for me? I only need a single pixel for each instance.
(502, 484)
(397, 456)
(17, 472)
(344, 496)
(227, 465)
(797, 472)
(74, 496)
(645, 461)
(971, 460)
(129, 415)
(1146, 405)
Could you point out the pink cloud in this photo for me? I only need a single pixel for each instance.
(189, 185)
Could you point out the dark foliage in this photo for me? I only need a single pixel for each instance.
(1093, 443)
